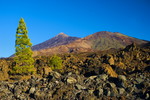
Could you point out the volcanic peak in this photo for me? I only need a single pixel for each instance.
(62, 35)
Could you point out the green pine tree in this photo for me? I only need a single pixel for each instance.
(23, 55)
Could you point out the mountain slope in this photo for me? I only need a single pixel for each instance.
(98, 41)
(60, 39)
(106, 40)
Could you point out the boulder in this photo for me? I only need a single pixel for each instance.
(71, 80)
(100, 92)
(80, 87)
(122, 78)
(121, 91)
(103, 77)
(130, 89)
(32, 90)
(108, 70)
(139, 80)
(114, 92)
(111, 61)
(92, 77)
(147, 97)
(111, 85)
(122, 81)
(46, 70)
(90, 91)
(55, 74)
(106, 92)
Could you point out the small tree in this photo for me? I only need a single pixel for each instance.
(23, 55)
(55, 62)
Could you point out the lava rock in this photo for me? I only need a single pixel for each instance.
(80, 87)
(121, 91)
(32, 90)
(103, 77)
(71, 80)
(139, 80)
(122, 78)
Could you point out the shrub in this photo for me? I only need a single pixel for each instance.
(55, 62)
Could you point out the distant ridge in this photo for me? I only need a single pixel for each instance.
(106, 40)
(60, 39)
(99, 41)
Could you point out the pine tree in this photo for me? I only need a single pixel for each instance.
(23, 55)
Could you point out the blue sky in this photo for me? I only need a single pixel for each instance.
(80, 18)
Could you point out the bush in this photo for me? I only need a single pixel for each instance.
(55, 62)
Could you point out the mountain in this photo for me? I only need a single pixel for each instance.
(60, 39)
(106, 40)
(99, 41)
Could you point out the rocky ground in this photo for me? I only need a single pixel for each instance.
(78, 87)
(119, 75)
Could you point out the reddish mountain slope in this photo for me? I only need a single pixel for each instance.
(98, 41)
(60, 39)
(105, 40)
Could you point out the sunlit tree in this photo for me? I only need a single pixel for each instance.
(23, 55)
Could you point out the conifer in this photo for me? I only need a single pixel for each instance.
(23, 55)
